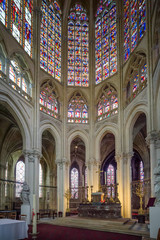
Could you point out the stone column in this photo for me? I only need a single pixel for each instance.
(127, 185)
(62, 184)
(120, 174)
(33, 175)
(151, 138)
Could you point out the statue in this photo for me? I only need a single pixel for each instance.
(24, 195)
(157, 184)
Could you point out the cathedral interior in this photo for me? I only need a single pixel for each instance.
(79, 101)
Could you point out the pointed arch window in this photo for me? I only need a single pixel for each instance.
(77, 109)
(74, 183)
(40, 180)
(141, 171)
(50, 39)
(49, 99)
(20, 177)
(110, 180)
(137, 77)
(6, 178)
(19, 81)
(22, 23)
(134, 24)
(78, 47)
(105, 40)
(108, 103)
(4, 12)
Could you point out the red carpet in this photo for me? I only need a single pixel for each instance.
(49, 232)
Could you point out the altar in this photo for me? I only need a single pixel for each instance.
(100, 210)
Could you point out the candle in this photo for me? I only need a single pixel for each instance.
(34, 219)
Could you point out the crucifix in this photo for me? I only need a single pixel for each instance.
(99, 172)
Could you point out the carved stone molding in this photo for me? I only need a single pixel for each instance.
(32, 155)
(153, 138)
(127, 157)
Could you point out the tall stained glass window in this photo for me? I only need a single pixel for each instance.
(19, 82)
(105, 40)
(49, 99)
(6, 178)
(77, 109)
(108, 103)
(134, 24)
(78, 47)
(141, 171)
(20, 177)
(50, 39)
(110, 180)
(137, 77)
(40, 180)
(21, 23)
(4, 12)
(74, 183)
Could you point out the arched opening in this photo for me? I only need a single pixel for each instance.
(77, 172)
(48, 184)
(140, 164)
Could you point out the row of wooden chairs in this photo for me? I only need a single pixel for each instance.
(11, 215)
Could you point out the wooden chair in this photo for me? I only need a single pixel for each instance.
(2, 215)
(12, 215)
(23, 217)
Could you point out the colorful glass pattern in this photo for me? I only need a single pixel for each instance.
(110, 180)
(16, 19)
(134, 24)
(28, 10)
(78, 47)
(77, 110)
(21, 23)
(74, 183)
(141, 171)
(4, 12)
(16, 78)
(137, 79)
(20, 176)
(40, 180)
(48, 102)
(105, 40)
(50, 40)
(108, 103)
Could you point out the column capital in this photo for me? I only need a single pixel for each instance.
(153, 137)
(32, 154)
(127, 157)
(92, 162)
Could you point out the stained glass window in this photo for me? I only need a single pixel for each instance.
(19, 81)
(77, 109)
(134, 24)
(141, 171)
(137, 77)
(49, 99)
(50, 40)
(4, 11)
(40, 180)
(78, 47)
(74, 183)
(20, 177)
(6, 178)
(108, 103)
(110, 180)
(105, 40)
(21, 22)
(28, 12)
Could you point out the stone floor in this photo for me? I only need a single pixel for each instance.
(121, 225)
